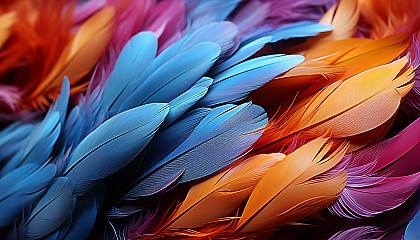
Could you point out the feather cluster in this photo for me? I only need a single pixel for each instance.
(198, 119)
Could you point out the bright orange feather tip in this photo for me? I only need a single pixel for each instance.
(298, 186)
(345, 108)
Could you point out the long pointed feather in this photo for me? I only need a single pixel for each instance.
(127, 74)
(51, 211)
(20, 188)
(295, 188)
(237, 82)
(228, 130)
(175, 76)
(113, 144)
(223, 192)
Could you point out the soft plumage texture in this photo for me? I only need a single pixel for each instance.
(233, 84)
(343, 16)
(303, 179)
(22, 187)
(229, 127)
(84, 215)
(336, 108)
(155, 131)
(106, 150)
(39, 145)
(221, 194)
(52, 210)
(388, 170)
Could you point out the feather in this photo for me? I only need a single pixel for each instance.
(182, 103)
(39, 145)
(62, 102)
(20, 188)
(81, 53)
(251, 16)
(412, 230)
(338, 107)
(236, 82)
(74, 129)
(10, 96)
(375, 197)
(288, 11)
(167, 20)
(358, 54)
(175, 76)
(398, 152)
(221, 33)
(343, 16)
(387, 17)
(128, 71)
(381, 177)
(228, 130)
(242, 54)
(173, 136)
(203, 11)
(170, 137)
(84, 215)
(293, 30)
(7, 20)
(113, 144)
(12, 138)
(303, 180)
(222, 193)
(363, 232)
(51, 211)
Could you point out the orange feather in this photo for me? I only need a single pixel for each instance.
(344, 108)
(223, 193)
(296, 187)
(79, 56)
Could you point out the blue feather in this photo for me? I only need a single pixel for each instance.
(39, 144)
(182, 103)
(412, 232)
(170, 138)
(12, 138)
(113, 144)
(218, 140)
(293, 30)
(84, 216)
(60, 106)
(221, 33)
(127, 75)
(20, 188)
(175, 76)
(203, 82)
(210, 11)
(242, 54)
(298, 30)
(74, 128)
(51, 211)
(237, 82)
